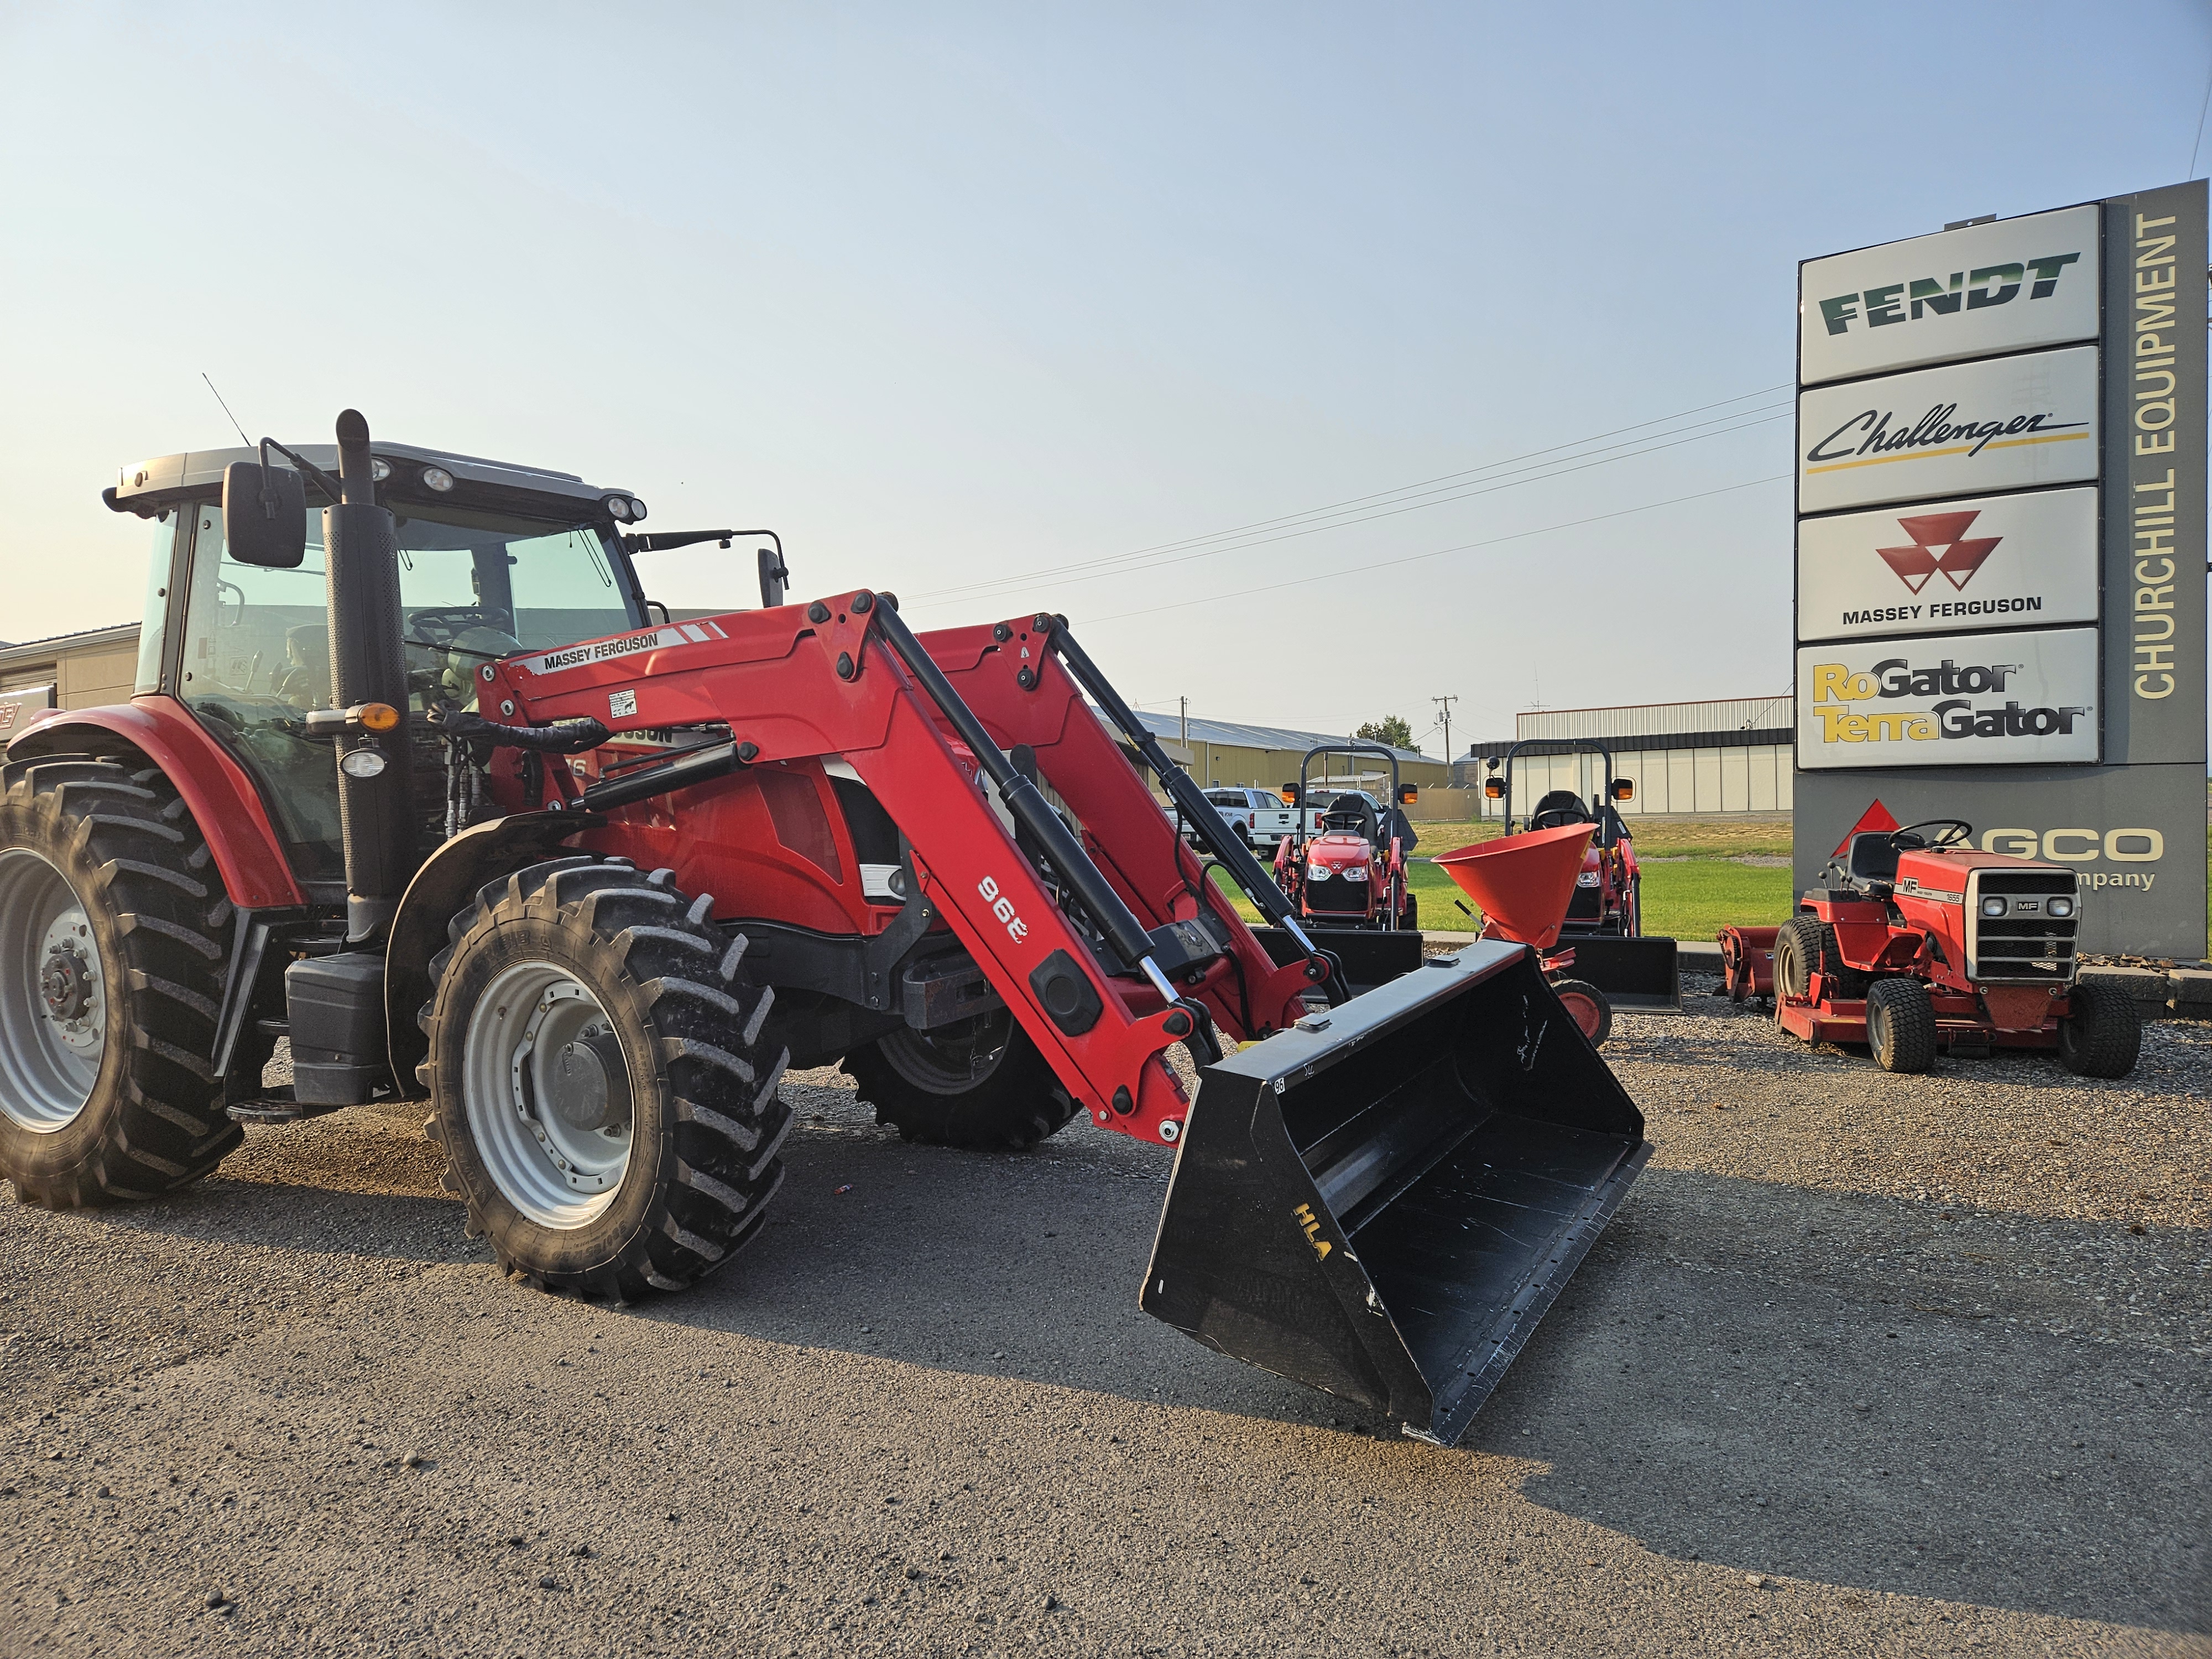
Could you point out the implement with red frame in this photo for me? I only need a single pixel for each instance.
(1917, 942)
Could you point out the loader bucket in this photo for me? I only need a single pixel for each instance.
(1644, 974)
(1523, 883)
(1383, 1200)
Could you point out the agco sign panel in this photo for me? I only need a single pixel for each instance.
(1940, 567)
(1949, 701)
(1965, 428)
(2005, 287)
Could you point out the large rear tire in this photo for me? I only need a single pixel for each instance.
(981, 1082)
(113, 931)
(608, 1110)
(1900, 1025)
(2102, 1035)
(1806, 944)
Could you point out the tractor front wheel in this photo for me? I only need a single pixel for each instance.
(608, 1110)
(1587, 1005)
(980, 1083)
(2103, 1035)
(1901, 1023)
(113, 936)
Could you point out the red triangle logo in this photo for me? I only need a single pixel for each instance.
(1913, 565)
(1876, 816)
(1933, 529)
(1962, 559)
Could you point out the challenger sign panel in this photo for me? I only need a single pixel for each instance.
(1966, 428)
(1969, 293)
(1940, 567)
(1948, 701)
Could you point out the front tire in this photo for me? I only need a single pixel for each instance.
(981, 1082)
(1591, 1012)
(608, 1110)
(113, 931)
(2104, 1034)
(1900, 1023)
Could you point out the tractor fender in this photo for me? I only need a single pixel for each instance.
(249, 854)
(448, 879)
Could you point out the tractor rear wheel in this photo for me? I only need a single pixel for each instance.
(2104, 1034)
(608, 1110)
(1900, 1023)
(113, 943)
(980, 1083)
(1806, 944)
(1591, 1010)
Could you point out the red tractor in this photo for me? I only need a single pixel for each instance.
(1917, 942)
(1353, 873)
(415, 779)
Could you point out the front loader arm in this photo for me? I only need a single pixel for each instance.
(844, 677)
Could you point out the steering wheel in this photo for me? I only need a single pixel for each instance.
(1950, 832)
(439, 626)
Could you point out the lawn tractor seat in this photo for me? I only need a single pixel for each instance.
(1352, 815)
(1559, 809)
(1873, 859)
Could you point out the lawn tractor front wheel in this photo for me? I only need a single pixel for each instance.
(1900, 1022)
(113, 934)
(2103, 1035)
(978, 1083)
(608, 1110)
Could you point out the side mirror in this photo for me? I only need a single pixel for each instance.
(1623, 789)
(1494, 788)
(264, 515)
(1408, 793)
(773, 576)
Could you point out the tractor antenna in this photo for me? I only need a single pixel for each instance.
(242, 438)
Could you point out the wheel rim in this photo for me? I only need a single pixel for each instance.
(53, 999)
(547, 1094)
(952, 1059)
(1583, 1011)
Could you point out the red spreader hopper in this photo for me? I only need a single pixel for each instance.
(1523, 883)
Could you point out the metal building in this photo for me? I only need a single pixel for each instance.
(1735, 756)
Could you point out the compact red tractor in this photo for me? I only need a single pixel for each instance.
(1917, 942)
(1353, 873)
(416, 781)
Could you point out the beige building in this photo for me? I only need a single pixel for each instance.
(84, 670)
(1231, 753)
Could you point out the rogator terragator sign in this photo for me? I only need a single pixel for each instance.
(2001, 551)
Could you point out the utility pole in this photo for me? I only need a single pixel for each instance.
(1184, 705)
(1445, 703)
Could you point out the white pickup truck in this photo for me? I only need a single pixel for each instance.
(1260, 816)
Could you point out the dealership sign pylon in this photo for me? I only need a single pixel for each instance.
(2001, 550)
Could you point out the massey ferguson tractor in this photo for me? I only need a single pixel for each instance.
(417, 780)
(1916, 944)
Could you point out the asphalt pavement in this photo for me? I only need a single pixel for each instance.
(1867, 1365)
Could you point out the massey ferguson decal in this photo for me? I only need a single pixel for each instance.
(1997, 560)
(622, 645)
(1964, 699)
(1963, 428)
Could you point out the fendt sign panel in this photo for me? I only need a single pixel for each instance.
(1965, 699)
(1963, 428)
(2001, 551)
(2005, 287)
(1940, 567)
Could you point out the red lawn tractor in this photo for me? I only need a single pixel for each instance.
(1917, 942)
(417, 780)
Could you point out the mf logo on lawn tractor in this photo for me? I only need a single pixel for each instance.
(1003, 908)
(1308, 1224)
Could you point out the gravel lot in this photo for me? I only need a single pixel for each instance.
(1866, 1364)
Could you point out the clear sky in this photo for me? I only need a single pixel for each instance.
(957, 295)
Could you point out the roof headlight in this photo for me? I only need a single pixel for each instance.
(437, 478)
(636, 510)
(1993, 906)
(379, 468)
(2061, 908)
(619, 505)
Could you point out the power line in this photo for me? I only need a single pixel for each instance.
(2201, 108)
(1081, 572)
(1464, 547)
(1338, 509)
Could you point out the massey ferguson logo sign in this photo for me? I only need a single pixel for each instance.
(1963, 428)
(1967, 699)
(1970, 292)
(1998, 561)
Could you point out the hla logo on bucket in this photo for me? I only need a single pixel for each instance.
(1961, 701)
(1995, 561)
(1966, 293)
(1961, 429)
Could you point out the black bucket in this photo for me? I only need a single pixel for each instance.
(1643, 973)
(1383, 1200)
(1370, 956)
